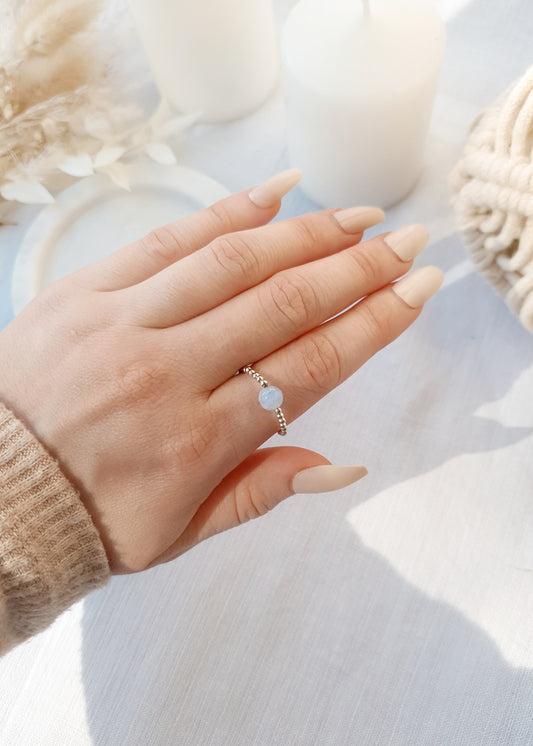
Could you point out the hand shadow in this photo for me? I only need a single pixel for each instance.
(316, 639)
(417, 400)
(273, 634)
(301, 646)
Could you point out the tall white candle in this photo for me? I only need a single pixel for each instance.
(218, 57)
(360, 79)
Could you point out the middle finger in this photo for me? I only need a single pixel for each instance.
(255, 323)
(234, 262)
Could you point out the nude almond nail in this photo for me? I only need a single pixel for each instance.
(271, 191)
(326, 478)
(419, 286)
(408, 242)
(357, 219)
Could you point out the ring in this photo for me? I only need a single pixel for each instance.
(270, 397)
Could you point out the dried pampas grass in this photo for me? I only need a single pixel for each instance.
(52, 49)
(57, 111)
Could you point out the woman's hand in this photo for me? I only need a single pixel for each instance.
(125, 370)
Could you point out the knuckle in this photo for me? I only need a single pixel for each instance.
(307, 230)
(246, 506)
(140, 380)
(193, 442)
(52, 301)
(322, 363)
(67, 311)
(294, 299)
(161, 244)
(220, 215)
(235, 255)
(377, 325)
(367, 265)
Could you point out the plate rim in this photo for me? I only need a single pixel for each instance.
(31, 253)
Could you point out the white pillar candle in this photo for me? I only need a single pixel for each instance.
(217, 57)
(360, 79)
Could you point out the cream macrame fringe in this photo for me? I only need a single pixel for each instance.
(493, 196)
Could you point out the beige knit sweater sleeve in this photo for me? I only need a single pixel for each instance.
(50, 552)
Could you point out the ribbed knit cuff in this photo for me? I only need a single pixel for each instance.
(51, 554)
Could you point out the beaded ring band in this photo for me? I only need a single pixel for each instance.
(270, 397)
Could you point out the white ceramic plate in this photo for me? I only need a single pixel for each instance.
(94, 217)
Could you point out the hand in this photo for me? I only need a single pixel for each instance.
(125, 370)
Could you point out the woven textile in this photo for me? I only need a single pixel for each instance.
(493, 188)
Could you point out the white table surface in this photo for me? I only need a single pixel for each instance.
(399, 611)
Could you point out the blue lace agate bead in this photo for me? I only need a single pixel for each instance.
(271, 397)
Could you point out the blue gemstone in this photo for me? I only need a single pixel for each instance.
(271, 397)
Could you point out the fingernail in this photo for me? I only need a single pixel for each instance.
(357, 219)
(271, 191)
(326, 478)
(419, 286)
(408, 242)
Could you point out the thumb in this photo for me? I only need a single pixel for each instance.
(258, 485)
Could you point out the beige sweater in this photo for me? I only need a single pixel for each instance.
(50, 552)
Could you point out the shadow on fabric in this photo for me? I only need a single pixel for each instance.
(211, 652)
(278, 635)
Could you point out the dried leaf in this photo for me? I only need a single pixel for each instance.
(97, 126)
(118, 173)
(50, 127)
(28, 192)
(138, 139)
(160, 153)
(161, 114)
(77, 165)
(177, 125)
(108, 155)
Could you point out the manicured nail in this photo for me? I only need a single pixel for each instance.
(408, 242)
(326, 478)
(267, 194)
(419, 286)
(357, 219)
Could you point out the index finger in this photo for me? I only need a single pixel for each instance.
(163, 246)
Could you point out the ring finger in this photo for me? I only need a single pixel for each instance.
(316, 363)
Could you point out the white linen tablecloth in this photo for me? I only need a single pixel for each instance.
(399, 611)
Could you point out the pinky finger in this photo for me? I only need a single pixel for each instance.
(258, 485)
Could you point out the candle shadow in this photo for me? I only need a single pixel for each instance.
(299, 646)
